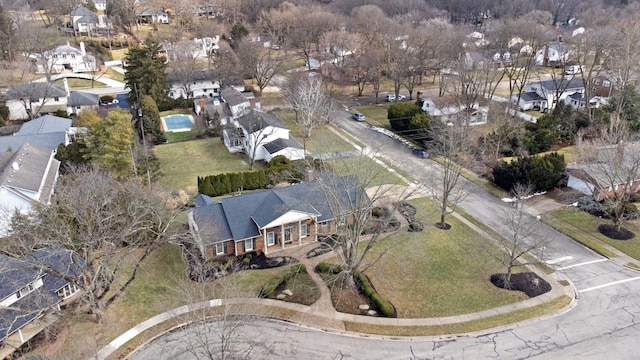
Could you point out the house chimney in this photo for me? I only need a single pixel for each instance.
(202, 107)
(66, 86)
(82, 49)
(68, 44)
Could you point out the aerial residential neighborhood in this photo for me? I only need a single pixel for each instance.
(319, 180)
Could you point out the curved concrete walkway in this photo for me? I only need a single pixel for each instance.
(556, 292)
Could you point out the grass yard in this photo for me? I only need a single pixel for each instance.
(459, 328)
(176, 112)
(118, 53)
(181, 163)
(366, 168)
(76, 83)
(439, 273)
(375, 115)
(589, 224)
(322, 139)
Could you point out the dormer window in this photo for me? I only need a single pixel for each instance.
(606, 83)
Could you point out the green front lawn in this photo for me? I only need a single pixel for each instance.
(375, 115)
(322, 138)
(367, 169)
(589, 224)
(181, 163)
(438, 273)
(76, 83)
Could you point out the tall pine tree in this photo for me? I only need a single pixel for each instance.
(146, 72)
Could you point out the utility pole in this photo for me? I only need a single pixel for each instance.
(144, 142)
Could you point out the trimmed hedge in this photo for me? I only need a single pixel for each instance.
(269, 288)
(221, 184)
(325, 268)
(542, 172)
(385, 307)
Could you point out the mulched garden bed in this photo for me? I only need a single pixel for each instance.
(212, 270)
(349, 299)
(527, 282)
(611, 232)
(409, 212)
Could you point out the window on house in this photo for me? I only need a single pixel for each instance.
(56, 98)
(288, 231)
(304, 230)
(596, 81)
(73, 56)
(248, 245)
(64, 56)
(220, 248)
(606, 83)
(271, 238)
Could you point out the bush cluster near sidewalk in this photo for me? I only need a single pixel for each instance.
(543, 173)
(331, 273)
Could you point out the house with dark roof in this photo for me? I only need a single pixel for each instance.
(260, 135)
(46, 131)
(34, 98)
(31, 289)
(544, 95)
(86, 22)
(80, 101)
(153, 16)
(272, 220)
(27, 177)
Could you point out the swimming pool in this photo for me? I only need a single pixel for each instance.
(178, 122)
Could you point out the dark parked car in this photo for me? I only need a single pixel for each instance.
(421, 153)
(357, 116)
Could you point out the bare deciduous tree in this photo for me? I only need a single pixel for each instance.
(309, 100)
(350, 199)
(522, 239)
(112, 227)
(259, 63)
(451, 144)
(613, 160)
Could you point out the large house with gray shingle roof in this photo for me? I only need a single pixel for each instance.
(271, 220)
(46, 131)
(86, 22)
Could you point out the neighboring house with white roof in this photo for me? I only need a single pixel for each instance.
(193, 84)
(27, 176)
(263, 133)
(552, 55)
(456, 114)
(543, 95)
(65, 58)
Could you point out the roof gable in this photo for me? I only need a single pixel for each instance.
(255, 121)
(44, 125)
(36, 90)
